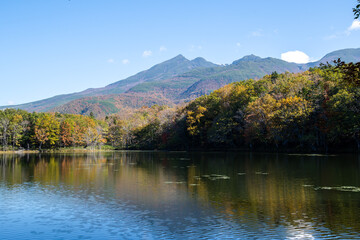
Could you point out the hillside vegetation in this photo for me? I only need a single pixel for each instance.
(161, 71)
(314, 111)
(171, 82)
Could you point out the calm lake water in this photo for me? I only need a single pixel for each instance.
(179, 195)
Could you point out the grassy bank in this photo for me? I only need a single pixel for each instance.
(61, 150)
(19, 151)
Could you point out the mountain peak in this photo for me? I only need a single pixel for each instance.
(347, 55)
(179, 59)
(173, 75)
(198, 59)
(251, 57)
(201, 62)
(180, 56)
(248, 58)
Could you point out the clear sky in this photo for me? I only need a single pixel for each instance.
(50, 47)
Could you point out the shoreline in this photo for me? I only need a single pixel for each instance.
(56, 151)
(260, 151)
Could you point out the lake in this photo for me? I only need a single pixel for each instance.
(179, 195)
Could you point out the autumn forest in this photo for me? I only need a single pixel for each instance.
(313, 111)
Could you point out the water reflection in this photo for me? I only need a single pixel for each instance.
(179, 195)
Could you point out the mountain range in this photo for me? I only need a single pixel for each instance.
(171, 82)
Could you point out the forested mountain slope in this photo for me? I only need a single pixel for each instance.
(200, 81)
(174, 81)
(164, 70)
(312, 111)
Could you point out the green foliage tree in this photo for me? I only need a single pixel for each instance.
(5, 120)
(315, 110)
(18, 125)
(47, 129)
(116, 132)
(350, 72)
(356, 10)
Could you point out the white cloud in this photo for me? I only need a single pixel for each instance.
(238, 44)
(333, 36)
(147, 53)
(295, 56)
(163, 49)
(193, 48)
(11, 102)
(355, 25)
(110, 60)
(257, 33)
(343, 34)
(125, 61)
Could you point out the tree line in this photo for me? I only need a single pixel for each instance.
(20, 129)
(318, 110)
(315, 111)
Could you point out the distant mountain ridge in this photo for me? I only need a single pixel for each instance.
(173, 81)
(164, 70)
(346, 55)
(202, 81)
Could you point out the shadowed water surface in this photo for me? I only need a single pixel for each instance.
(179, 195)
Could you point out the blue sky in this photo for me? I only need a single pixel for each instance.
(63, 46)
